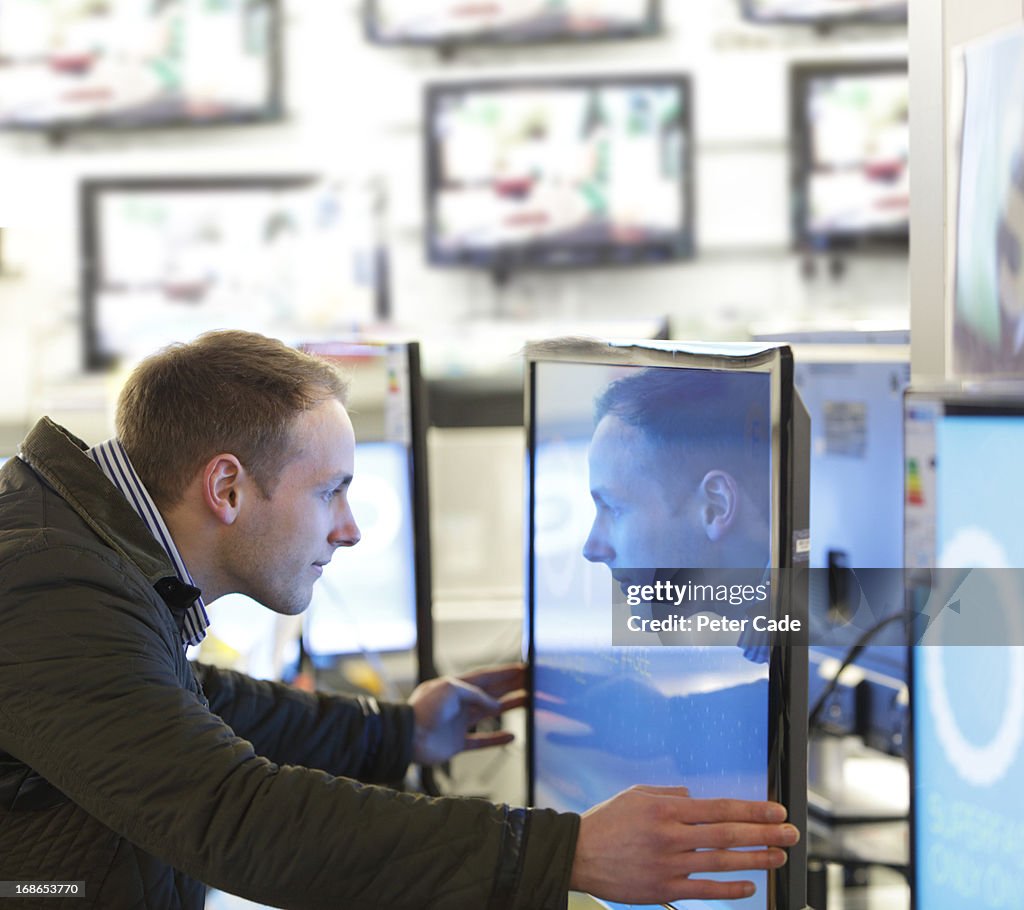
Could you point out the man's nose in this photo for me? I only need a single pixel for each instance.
(345, 532)
(597, 548)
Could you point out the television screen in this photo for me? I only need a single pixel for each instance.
(824, 12)
(166, 259)
(988, 308)
(854, 395)
(376, 596)
(850, 160)
(607, 502)
(444, 22)
(963, 510)
(366, 599)
(124, 63)
(559, 173)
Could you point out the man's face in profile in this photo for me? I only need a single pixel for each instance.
(646, 517)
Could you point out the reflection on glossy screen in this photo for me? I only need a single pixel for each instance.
(607, 718)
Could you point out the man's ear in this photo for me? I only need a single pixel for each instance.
(719, 503)
(223, 487)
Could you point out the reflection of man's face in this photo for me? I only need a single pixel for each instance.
(646, 516)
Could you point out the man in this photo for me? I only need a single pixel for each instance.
(124, 767)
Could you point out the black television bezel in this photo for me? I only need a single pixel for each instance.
(958, 399)
(419, 491)
(90, 191)
(896, 16)
(652, 26)
(788, 682)
(271, 111)
(504, 260)
(801, 75)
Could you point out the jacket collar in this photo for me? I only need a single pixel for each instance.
(59, 458)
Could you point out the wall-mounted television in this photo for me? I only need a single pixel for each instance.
(129, 64)
(615, 484)
(824, 13)
(988, 299)
(164, 259)
(447, 23)
(559, 172)
(850, 154)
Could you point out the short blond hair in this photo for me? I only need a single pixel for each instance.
(227, 391)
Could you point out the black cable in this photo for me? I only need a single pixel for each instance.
(904, 616)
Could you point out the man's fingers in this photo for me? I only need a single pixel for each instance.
(484, 740)
(705, 890)
(497, 681)
(472, 697)
(514, 700)
(707, 811)
(662, 791)
(727, 835)
(699, 861)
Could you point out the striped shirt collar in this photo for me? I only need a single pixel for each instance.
(113, 461)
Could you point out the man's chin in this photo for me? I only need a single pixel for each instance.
(627, 577)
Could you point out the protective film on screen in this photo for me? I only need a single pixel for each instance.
(559, 173)
(125, 64)
(164, 260)
(964, 510)
(988, 307)
(851, 167)
(825, 12)
(443, 23)
(606, 717)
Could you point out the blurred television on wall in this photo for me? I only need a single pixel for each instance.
(447, 23)
(559, 172)
(987, 110)
(130, 64)
(164, 259)
(850, 154)
(824, 12)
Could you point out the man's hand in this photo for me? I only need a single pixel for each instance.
(446, 709)
(643, 845)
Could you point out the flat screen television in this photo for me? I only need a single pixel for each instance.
(988, 299)
(128, 64)
(850, 154)
(164, 259)
(824, 13)
(854, 396)
(559, 172)
(447, 23)
(965, 495)
(379, 600)
(374, 598)
(722, 719)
